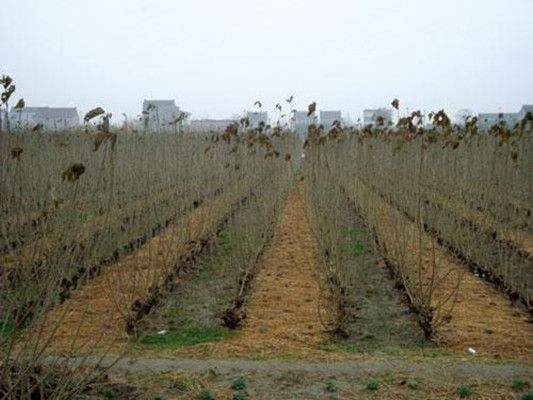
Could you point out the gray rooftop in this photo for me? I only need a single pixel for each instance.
(158, 103)
(526, 108)
(490, 115)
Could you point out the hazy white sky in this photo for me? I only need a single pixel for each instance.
(217, 57)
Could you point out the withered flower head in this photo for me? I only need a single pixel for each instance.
(73, 172)
(16, 152)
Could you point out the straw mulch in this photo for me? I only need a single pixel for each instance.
(288, 310)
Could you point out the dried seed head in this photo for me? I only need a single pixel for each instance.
(16, 152)
(38, 127)
(20, 104)
(311, 108)
(95, 112)
(73, 172)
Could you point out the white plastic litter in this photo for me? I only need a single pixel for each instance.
(471, 351)
(162, 332)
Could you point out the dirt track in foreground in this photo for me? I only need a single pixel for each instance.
(275, 379)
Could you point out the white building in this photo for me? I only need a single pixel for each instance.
(163, 116)
(256, 117)
(50, 118)
(462, 116)
(372, 116)
(328, 118)
(526, 108)
(209, 125)
(300, 121)
(486, 120)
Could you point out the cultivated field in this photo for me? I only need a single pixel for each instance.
(384, 262)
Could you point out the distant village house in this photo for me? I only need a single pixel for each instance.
(47, 118)
(377, 116)
(209, 125)
(256, 117)
(163, 116)
(300, 121)
(486, 120)
(328, 118)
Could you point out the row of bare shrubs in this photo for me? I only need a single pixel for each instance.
(493, 248)
(252, 228)
(470, 190)
(474, 195)
(76, 185)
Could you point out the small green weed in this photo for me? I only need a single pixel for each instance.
(183, 385)
(351, 347)
(372, 385)
(6, 326)
(464, 391)
(519, 384)
(412, 384)
(109, 394)
(187, 337)
(223, 243)
(331, 385)
(206, 394)
(357, 248)
(239, 396)
(239, 384)
(527, 396)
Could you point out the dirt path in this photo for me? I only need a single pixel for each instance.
(275, 379)
(286, 306)
(482, 371)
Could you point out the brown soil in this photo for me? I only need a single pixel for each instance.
(482, 317)
(274, 379)
(287, 310)
(95, 315)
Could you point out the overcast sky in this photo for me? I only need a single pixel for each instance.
(216, 57)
